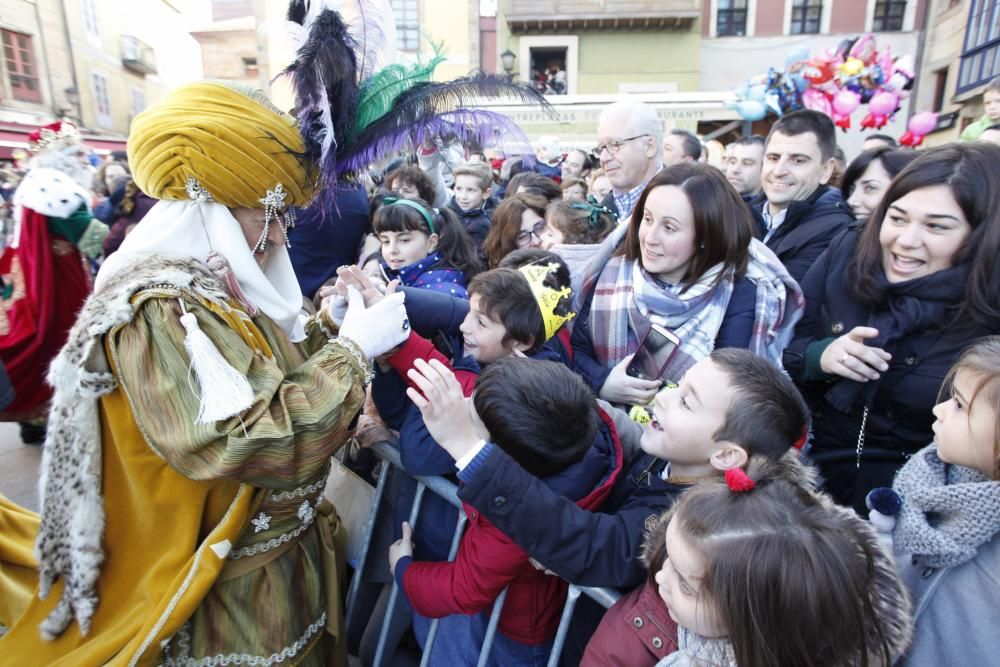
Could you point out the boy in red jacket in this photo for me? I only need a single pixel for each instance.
(545, 417)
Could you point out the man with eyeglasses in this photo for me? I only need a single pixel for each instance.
(629, 137)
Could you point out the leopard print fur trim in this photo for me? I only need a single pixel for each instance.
(69, 544)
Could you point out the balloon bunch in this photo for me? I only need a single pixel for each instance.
(836, 83)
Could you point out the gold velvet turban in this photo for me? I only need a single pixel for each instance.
(233, 141)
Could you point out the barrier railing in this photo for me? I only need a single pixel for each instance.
(445, 489)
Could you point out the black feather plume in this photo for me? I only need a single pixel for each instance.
(324, 76)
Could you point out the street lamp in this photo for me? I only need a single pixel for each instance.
(507, 59)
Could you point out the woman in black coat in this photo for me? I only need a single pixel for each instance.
(889, 306)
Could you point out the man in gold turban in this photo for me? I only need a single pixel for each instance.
(195, 412)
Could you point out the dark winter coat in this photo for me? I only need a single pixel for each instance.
(419, 453)
(488, 561)
(324, 240)
(476, 221)
(899, 418)
(599, 549)
(807, 230)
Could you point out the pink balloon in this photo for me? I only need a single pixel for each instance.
(923, 122)
(845, 102)
(883, 103)
(817, 101)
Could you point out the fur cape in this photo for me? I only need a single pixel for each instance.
(72, 509)
(889, 596)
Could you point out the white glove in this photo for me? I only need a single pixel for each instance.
(337, 307)
(378, 329)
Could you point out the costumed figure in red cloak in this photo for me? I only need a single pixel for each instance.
(45, 277)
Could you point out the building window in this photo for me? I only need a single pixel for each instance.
(731, 18)
(407, 14)
(806, 17)
(888, 15)
(940, 86)
(102, 101)
(250, 70)
(21, 70)
(89, 11)
(548, 70)
(981, 53)
(138, 101)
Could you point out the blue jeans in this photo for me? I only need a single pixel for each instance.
(459, 639)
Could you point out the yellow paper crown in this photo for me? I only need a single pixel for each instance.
(546, 297)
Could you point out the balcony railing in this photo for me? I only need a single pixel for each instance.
(137, 55)
(544, 15)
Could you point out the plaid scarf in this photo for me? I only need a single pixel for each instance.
(695, 316)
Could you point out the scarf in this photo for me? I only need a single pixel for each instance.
(697, 651)
(914, 305)
(430, 274)
(191, 230)
(694, 315)
(948, 510)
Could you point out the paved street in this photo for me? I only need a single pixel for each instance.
(18, 467)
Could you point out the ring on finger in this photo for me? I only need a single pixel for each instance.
(843, 359)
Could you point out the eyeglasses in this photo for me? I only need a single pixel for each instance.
(286, 223)
(615, 145)
(524, 236)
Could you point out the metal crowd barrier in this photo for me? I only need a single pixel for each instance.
(445, 489)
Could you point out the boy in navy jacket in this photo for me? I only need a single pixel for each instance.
(727, 407)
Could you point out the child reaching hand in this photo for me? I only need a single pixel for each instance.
(946, 532)
(545, 417)
(759, 570)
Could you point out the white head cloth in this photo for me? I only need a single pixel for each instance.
(175, 228)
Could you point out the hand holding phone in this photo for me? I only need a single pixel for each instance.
(655, 351)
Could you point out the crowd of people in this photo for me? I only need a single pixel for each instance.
(199, 330)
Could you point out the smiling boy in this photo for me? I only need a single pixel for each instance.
(472, 201)
(728, 406)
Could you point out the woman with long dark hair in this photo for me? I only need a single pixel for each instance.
(868, 177)
(889, 306)
(687, 261)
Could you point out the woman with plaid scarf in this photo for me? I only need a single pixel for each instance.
(687, 261)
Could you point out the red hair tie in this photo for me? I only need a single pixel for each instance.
(802, 441)
(738, 481)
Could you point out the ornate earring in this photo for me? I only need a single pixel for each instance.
(274, 202)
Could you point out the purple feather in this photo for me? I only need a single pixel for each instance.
(488, 128)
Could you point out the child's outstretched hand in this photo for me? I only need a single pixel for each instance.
(401, 547)
(372, 291)
(443, 407)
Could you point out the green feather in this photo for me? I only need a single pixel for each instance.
(379, 92)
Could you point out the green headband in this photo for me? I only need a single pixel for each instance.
(416, 206)
(594, 211)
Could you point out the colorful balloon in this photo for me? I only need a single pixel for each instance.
(919, 126)
(844, 104)
(751, 109)
(817, 100)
